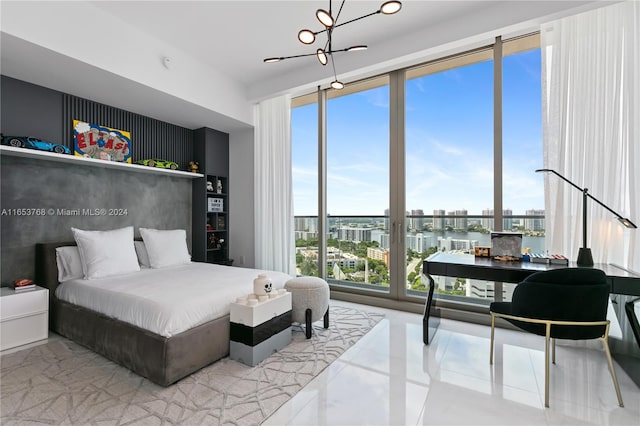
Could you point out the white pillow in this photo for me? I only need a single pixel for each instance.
(69, 263)
(106, 253)
(166, 248)
(143, 256)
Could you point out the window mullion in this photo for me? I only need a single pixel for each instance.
(397, 182)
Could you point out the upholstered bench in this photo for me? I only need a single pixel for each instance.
(310, 300)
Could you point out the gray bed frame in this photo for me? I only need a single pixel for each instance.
(163, 360)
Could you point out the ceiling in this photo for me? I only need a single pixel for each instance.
(233, 38)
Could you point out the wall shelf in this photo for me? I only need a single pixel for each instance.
(66, 158)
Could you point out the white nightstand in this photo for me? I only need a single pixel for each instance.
(260, 330)
(24, 316)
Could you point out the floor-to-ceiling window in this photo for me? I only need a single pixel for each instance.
(449, 171)
(358, 185)
(449, 162)
(304, 158)
(523, 189)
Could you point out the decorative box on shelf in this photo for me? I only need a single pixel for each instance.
(260, 326)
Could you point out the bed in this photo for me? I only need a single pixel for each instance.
(163, 357)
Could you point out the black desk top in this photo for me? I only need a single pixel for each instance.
(483, 268)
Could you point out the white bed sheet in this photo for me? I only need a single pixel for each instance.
(170, 300)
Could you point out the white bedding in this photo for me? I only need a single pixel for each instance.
(170, 300)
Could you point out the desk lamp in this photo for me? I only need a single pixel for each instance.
(584, 254)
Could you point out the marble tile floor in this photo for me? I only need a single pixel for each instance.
(390, 377)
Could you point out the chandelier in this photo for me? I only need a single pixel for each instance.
(330, 23)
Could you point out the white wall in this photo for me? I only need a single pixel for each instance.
(241, 224)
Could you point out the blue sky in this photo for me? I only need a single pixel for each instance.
(449, 144)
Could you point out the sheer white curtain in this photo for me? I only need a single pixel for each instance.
(591, 113)
(273, 197)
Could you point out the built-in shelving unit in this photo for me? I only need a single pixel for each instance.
(217, 219)
(210, 213)
(67, 158)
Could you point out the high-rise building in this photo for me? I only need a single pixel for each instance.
(417, 223)
(349, 233)
(385, 241)
(307, 224)
(438, 222)
(507, 221)
(487, 223)
(534, 224)
(461, 221)
(378, 254)
(415, 242)
(386, 219)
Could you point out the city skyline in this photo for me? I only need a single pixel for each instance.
(448, 140)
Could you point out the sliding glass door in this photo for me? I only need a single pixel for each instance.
(357, 252)
(449, 162)
(304, 158)
(417, 161)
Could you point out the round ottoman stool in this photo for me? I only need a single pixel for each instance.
(309, 300)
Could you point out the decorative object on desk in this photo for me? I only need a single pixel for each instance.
(584, 254)
(194, 166)
(34, 143)
(219, 186)
(506, 245)
(105, 143)
(159, 163)
(507, 258)
(212, 241)
(330, 22)
(538, 258)
(22, 284)
(215, 205)
(558, 259)
(262, 285)
(482, 251)
(209, 186)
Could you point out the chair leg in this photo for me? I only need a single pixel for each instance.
(546, 366)
(612, 370)
(493, 323)
(326, 319)
(553, 350)
(307, 323)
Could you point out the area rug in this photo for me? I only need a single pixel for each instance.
(61, 382)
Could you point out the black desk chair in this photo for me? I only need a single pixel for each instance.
(567, 303)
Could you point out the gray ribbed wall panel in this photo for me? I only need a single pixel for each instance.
(150, 138)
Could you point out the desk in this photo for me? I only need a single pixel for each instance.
(623, 283)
